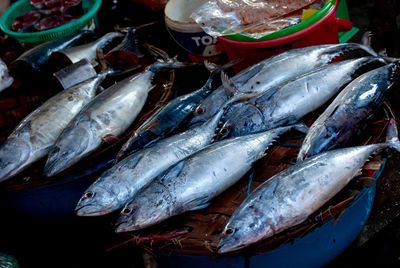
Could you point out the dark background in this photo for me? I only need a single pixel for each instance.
(82, 242)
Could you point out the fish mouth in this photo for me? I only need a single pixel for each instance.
(89, 211)
(224, 248)
(125, 226)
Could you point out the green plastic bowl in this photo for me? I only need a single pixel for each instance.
(289, 30)
(90, 8)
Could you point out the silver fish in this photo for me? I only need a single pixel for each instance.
(289, 197)
(289, 103)
(274, 71)
(107, 116)
(193, 182)
(349, 111)
(5, 79)
(87, 51)
(37, 133)
(118, 185)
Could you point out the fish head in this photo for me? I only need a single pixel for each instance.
(208, 107)
(138, 215)
(5, 80)
(148, 208)
(241, 119)
(98, 200)
(15, 154)
(68, 150)
(245, 227)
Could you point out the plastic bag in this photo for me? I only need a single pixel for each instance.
(254, 17)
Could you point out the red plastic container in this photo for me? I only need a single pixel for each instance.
(324, 31)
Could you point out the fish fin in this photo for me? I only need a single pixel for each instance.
(197, 203)
(201, 206)
(392, 135)
(228, 86)
(366, 39)
(227, 65)
(173, 171)
(210, 65)
(171, 63)
(301, 127)
(109, 139)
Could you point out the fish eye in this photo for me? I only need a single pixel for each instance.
(88, 194)
(224, 131)
(229, 231)
(200, 110)
(126, 211)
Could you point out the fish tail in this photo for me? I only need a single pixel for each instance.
(392, 135)
(168, 64)
(301, 127)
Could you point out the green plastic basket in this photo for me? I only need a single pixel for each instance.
(289, 30)
(90, 8)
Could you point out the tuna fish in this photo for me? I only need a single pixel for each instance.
(5, 79)
(119, 184)
(350, 110)
(105, 118)
(289, 197)
(192, 183)
(274, 71)
(170, 117)
(86, 51)
(37, 133)
(288, 104)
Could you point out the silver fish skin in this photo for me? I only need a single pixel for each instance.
(294, 100)
(118, 185)
(349, 111)
(193, 182)
(289, 197)
(108, 115)
(5, 79)
(88, 51)
(276, 70)
(37, 133)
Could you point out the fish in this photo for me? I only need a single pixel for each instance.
(292, 101)
(125, 179)
(86, 51)
(105, 118)
(129, 52)
(36, 134)
(274, 71)
(6, 80)
(171, 117)
(292, 195)
(34, 58)
(193, 182)
(350, 110)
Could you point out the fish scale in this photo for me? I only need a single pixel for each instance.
(295, 99)
(193, 182)
(290, 196)
(351, 108)
(37, 133)
(274, 71)
(124, 180)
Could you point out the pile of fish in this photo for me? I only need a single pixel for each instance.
(200, 144)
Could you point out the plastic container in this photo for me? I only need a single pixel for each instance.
(324, 31)
(187, 33)
(90, 8)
